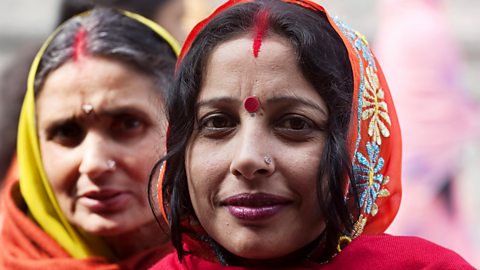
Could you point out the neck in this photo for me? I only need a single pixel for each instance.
(303, 255)
(148, 236)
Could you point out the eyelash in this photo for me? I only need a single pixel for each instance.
(206, 129)
(71, 133)
(68, 133)
(291, 126)
(286, 128)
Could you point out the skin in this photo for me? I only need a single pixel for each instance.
(225, 156)
(126, 126)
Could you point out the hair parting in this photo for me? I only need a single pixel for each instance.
(80, 44)
(261, 28)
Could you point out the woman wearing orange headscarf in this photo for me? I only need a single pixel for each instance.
(93, 109)
(284, 148)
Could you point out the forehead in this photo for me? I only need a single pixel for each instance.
(233, 70)
(242, 49)
(97, 81)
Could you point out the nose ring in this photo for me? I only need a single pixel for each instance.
(268, 160)
(111, 164)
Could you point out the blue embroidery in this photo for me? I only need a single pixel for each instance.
(367, 172)
(352, 36)
(367, 178)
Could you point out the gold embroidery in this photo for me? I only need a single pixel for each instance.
(384, 192)
(375, 107)
(358, 226)
(343, 241)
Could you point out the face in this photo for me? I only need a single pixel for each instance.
(101, 128)
(252, 177)
(170, 17)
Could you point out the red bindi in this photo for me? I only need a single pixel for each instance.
(251, 104)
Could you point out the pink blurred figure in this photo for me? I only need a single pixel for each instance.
(422, 63)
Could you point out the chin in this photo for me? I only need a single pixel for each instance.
(105, 232)
(254, 250)
(102, 227)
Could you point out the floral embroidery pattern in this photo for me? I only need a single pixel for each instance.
(361, 44)
(372, 115)
(370, 178)
(375, 107)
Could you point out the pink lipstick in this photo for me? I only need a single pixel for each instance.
(255, 206)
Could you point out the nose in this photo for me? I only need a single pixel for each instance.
(252, 158)
(96, 157)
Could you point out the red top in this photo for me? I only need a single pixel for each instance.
(365, 252)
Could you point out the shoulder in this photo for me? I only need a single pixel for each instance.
(398, 252)
(168, 262)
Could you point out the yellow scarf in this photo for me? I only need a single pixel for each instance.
(34, 184)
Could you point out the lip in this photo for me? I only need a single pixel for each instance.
(106, 200)
(254, 206)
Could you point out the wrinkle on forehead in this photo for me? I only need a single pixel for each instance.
(245, 72)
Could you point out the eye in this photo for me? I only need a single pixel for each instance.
(127, 125)
(296, 127)
(216, 125)
(67, 134)
(295, 123)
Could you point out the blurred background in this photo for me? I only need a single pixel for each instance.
(430, 53)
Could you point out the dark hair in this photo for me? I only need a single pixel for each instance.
(323, 60)
(146, 8)
(111, 34)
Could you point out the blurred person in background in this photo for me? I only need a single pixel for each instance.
(91, 114)
(422, 62)
(167, 13)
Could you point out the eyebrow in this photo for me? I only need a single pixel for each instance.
(270, 101)
(121, 110)
(296, 99)
(213, 101)
(102, 113)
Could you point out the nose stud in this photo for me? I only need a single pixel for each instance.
(267, 159)
(111, 164)
(87, 108)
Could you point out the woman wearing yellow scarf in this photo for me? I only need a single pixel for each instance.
(91, 127)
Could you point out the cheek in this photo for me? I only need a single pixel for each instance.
(306, 160)
(302, 168)
(59, 168)
(143, 156)
(205, 172)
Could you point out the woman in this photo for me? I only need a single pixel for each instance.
(167, 13)
(284, 148)
(93, 108)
